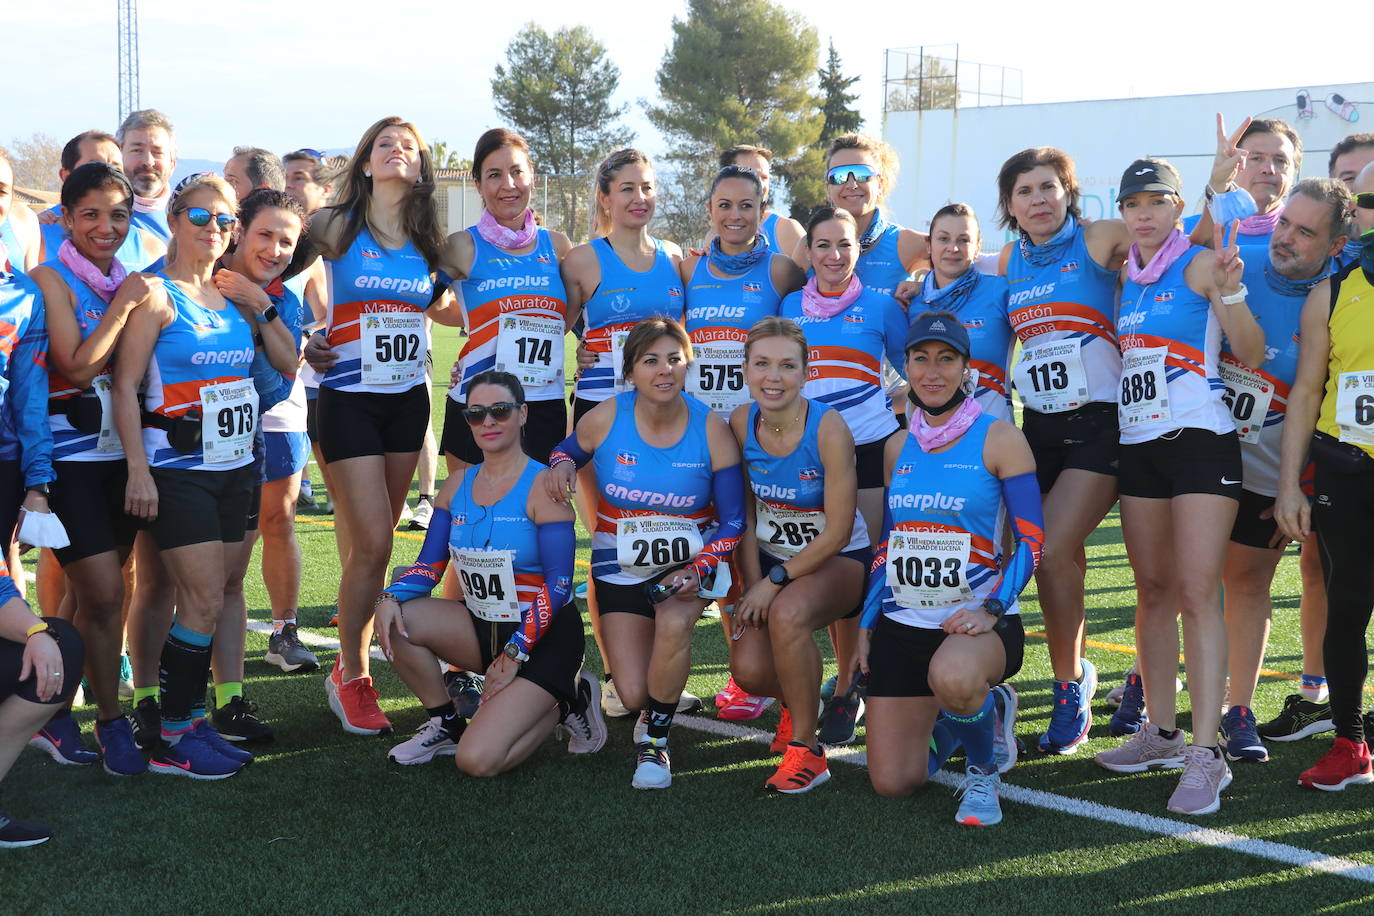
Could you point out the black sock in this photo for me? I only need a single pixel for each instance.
(449, 719)
(185, 667)
(1166, 733)
(660, 718)
(606, 678)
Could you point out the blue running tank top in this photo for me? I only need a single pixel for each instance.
(880, 267)
(376, 321)
(1243, 238)
(503, 526)
(980, 302)
(770, 232)
(720, 312)
(944, 550)
(515, 306)
(623, 299)
(154, 222)
(200, 348)
(1170, 345)
(13, 247)
(844, 360)
(654, 511)
(789, 490)
(1062, 312)
(69, 444)
(135, 253)
(1258, 398)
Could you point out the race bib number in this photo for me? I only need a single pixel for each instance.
(1144, 395)
(647, 545)
(716, 376)
(530, 347)
(1248, 394)
(1050, 376)
(228, 417)
(618, 359)
(108, 439)
(1355, 408)
(393, 347)
(488, 578)
(926, 570)
(783, 532)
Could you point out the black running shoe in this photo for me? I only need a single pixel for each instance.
(237, 721)
(147, 719)
(15, 834)
(1300, 718)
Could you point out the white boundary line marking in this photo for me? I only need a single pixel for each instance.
(1121, 817)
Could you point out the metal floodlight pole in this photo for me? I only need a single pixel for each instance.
(128, 57)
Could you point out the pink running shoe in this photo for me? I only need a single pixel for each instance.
(739, 706)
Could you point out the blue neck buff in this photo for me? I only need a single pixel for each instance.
(1295, 289)
(951, 296)
(1050, 252)
(875, 231)
(738, 263)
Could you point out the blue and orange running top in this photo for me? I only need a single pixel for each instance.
(980, 302)
(24, 431)
(514, 307)
(624, 298)
(70, 444)
(376, 321)
(845, 360)
(201, 370)
(1170, 345)
(720, 312)
(789, 490)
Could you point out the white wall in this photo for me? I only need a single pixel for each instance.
(954, 155)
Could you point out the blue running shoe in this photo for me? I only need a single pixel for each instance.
(980, 805)
(1240, 736)
(193, 757)
(211, 736)
(61, 740)
(117, 747)
(1130, 715)
(1071, 715)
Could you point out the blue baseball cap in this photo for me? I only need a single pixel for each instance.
(941, 326)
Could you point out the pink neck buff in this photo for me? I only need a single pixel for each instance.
(1174, 247)
(816, 305)
(152, 204)
(1261, 223)
(930, 437)
(500, 236)
(101, 285)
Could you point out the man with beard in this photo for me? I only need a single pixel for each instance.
(147, 142)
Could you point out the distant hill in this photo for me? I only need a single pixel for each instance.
(189, 166)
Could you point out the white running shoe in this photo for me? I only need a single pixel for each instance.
(424, 511)
(586, 729)
(653, 770)
(610, 701)
(432, 740)
(407, 515)
(641, 731)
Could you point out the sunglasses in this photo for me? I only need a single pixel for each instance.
(477, 415)
(1365, 200)
(199, 216)
(840, 174)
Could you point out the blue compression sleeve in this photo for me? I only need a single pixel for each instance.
(557, 545)
(878, 591)
(28, 395)
(727, 494)
(428, 569)
(569, 448)
(1022, 497)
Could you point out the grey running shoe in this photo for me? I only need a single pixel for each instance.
(586, 728)
(432, 740)
(1205, 774)
(284, 649)
(466, 691)
(1146, 750)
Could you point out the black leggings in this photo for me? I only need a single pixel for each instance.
(1342, 515)
(12, 662)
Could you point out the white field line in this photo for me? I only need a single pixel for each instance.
(1146, 823)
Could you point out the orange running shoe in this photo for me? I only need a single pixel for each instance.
(782, 736)
(801, 770)
(355, 703)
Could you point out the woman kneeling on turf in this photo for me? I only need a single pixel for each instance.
(940, 596)
(513, 547)
(807, 549)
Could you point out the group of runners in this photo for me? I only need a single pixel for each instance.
(810, 427)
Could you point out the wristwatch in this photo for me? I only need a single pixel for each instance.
(778, 575)
(994, 607)
(512, 652)
(269, 314)
(41, 489)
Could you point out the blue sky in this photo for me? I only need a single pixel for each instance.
(285, 74)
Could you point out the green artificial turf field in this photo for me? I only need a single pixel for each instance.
(323, 823)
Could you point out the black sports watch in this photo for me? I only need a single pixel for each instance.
(994, 607)
(39, 488)
(269, 314)
(778, 575)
